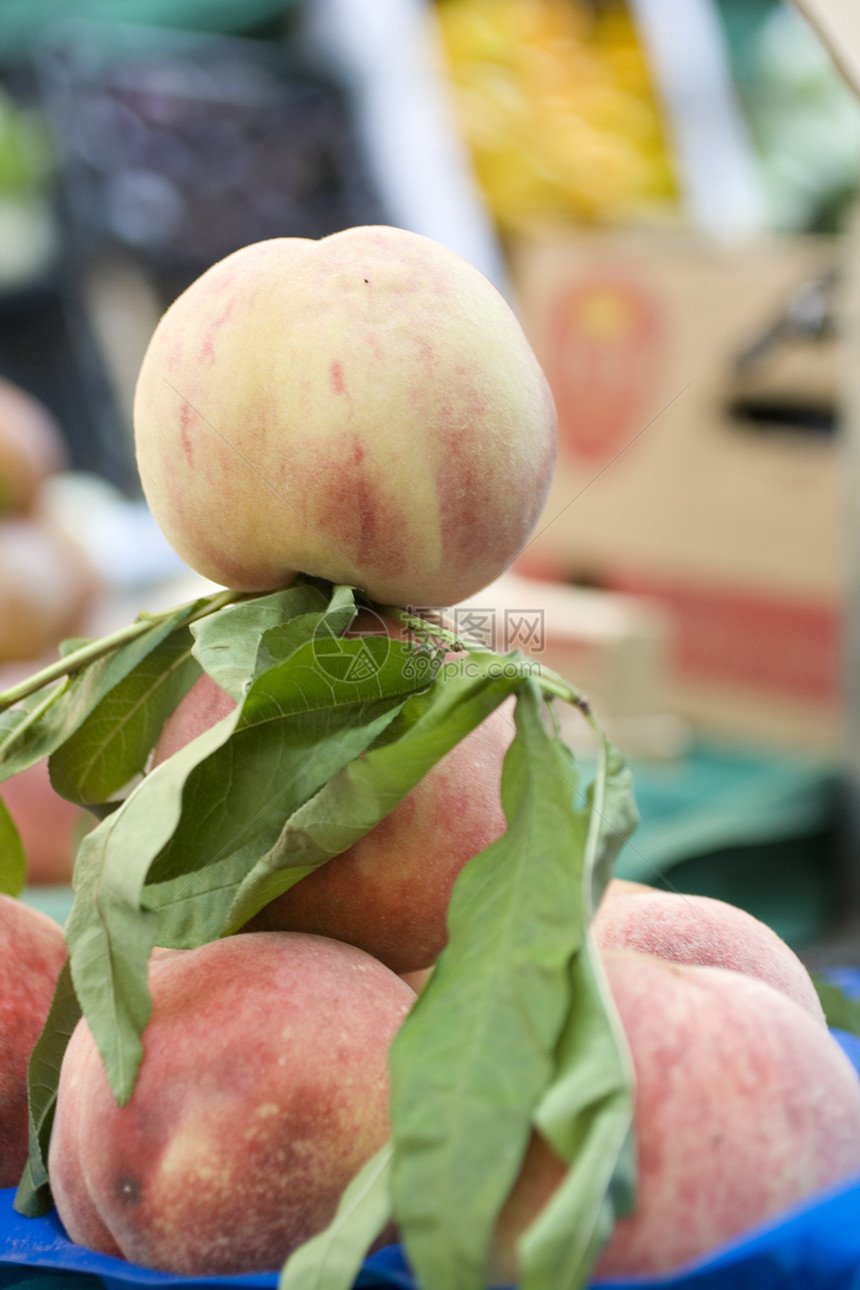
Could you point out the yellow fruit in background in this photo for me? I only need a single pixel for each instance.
(557, 105)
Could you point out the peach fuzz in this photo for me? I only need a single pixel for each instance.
(32, 952)
(703, 930)
(263, 1090)
(364, 408)
(744, 1106)
(389, 892)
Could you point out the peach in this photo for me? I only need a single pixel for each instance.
(47, 586)
(263, 1090)
(83, 1223)
(32, 447)
(417, 981)
(389, 892)
(32, 952)
(364, 408)
(705, 931)
(744, 1106)
(198, 710)
(49, 826)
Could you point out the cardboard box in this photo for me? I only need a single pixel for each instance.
(699, 465)
(613, 648)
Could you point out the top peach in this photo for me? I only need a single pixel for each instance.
(364, 408)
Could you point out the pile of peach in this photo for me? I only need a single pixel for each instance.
(239, 1139)
(367, 410)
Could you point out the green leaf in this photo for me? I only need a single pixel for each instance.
(282, 640)
(586, 1112)
(10, 720)
(295, 730)
(515, 1029)
(13, 860)
(113, 743)
(73, 643)
(192, 908)
(100, 731)
(332, 1259)
(614, 817)
(840, 1010)
(109, 935)
(471, 1062)
(227, 643)
(195, 904)
(22, 743)
(354, 800)
(227, 791)
(585, 1117)
(22, 727)
(43, 1076)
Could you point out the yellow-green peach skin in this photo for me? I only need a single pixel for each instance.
(364, 408)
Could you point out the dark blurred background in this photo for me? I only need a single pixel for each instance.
(143, 153)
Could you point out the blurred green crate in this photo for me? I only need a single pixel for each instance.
(54, 901)
(755, 829)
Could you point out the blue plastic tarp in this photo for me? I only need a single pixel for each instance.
(814, 1246)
